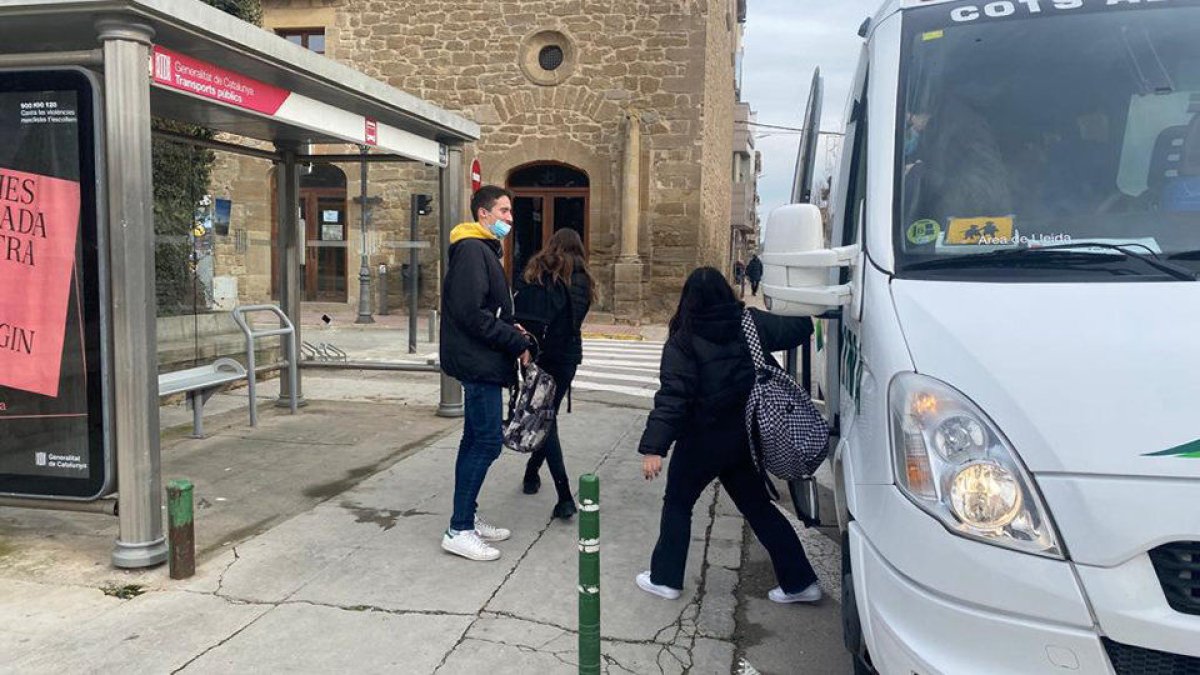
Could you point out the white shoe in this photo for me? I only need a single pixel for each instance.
(810, 594)
(488, 532)
(468, 544)
(644, 583)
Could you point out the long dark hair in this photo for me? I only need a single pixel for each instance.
(558, 260)
(705, 287)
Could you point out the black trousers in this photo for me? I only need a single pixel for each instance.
(692, 469)
(552, 452)
(753, 287)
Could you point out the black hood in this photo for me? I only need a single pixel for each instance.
(720, 324)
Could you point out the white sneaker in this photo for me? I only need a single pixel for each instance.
(810, 594)
(488, 532)
(468, 544)
(644, 583)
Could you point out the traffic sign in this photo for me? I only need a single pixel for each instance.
(476, 175)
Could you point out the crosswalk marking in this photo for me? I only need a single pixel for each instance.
(628, 368)
(620, 377)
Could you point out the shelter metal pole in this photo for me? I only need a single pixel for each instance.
(288, 250)
(141, 541)
(450, 185)
(364, 269)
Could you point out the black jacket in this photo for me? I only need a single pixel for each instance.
(754, 270)
(554, 314)
(707, 374)
(478, 342)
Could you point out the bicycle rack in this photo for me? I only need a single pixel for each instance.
(285, 328)
(310, 352)
(334, 353)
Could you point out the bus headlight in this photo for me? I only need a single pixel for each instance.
(953, 462)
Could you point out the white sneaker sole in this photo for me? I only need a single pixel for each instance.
(485, 556)
(644, 583)
(803, 597)
(493, 539)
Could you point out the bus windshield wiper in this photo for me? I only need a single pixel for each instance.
(1057, 253)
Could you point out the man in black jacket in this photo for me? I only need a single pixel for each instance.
(480, 346)
(754, 272)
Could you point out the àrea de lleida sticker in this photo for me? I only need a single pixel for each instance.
(979, 231)
(923, 232)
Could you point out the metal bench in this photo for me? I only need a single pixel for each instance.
(200, 384)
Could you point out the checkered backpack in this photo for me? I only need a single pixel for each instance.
(788, 435)
(530, 411)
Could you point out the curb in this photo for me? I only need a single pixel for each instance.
(628, 337)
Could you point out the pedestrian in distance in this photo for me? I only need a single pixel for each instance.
(551, 303)
(739, 277)
(480, 346)
(754, 272)
(707, 374)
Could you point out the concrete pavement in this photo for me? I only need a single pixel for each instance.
(356, 581)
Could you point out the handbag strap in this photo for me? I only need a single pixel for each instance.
(750, 333)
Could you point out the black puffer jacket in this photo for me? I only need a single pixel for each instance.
(707, 374)
(478, 341)
(555, 313)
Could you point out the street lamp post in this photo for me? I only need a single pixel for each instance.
(364, 270)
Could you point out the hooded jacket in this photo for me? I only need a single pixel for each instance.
(754, 269)
(555, 312)
(706, 376)
(478, 341)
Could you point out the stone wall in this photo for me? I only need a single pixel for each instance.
(669, 61)
(719, 104)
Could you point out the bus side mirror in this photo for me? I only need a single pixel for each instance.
(797, 263)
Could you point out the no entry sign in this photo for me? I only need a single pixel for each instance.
(476, 176)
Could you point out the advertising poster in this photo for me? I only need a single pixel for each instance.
(51, 426)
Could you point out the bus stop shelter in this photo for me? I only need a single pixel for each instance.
(126, 61)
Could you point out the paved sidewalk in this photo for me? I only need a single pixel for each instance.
(359, 583)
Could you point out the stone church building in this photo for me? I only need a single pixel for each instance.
(612, 117)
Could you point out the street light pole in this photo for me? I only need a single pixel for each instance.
(364, 270)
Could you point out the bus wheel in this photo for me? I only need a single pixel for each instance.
(851, 625)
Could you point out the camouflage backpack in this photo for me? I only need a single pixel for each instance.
(530, 411)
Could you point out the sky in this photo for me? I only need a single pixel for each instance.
(785, 41)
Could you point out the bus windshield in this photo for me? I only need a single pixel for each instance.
(1036, 123)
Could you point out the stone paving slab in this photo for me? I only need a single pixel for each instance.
(154, 633)
(298, 638)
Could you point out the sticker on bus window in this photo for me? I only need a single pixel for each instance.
(985, 231)
(933, 35)
(923, 232)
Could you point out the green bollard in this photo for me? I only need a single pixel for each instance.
(589, 575)
(181, 534)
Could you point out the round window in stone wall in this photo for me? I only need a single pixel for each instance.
(548, 57)
(551, 57)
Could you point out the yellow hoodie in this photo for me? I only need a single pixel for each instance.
(470, 230)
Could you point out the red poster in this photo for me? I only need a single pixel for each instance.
(184, 73)
(39, 220)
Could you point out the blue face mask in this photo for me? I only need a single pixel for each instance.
(500, 228)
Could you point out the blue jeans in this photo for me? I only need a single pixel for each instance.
(480, 446)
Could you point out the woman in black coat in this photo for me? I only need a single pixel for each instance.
(706, 375)
(553, 300)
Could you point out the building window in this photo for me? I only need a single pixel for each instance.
(551, 57)
(310, 38)
(548, 57)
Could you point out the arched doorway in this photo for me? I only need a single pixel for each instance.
(550, 196)
(323, 214)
